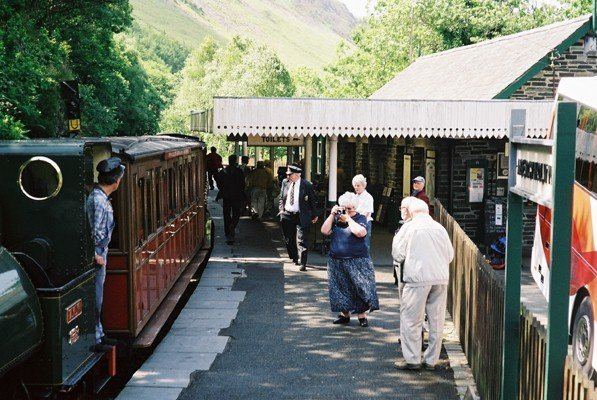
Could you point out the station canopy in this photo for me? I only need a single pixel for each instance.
(297, 117)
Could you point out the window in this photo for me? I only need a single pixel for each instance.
(158, 198)
(139, 205)
(115, 241)
(587, 128)
(40, 178)
(171, 193)
(319, 157)
(587, 119)
(147, 205)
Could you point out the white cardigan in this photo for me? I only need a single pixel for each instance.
(426, 250)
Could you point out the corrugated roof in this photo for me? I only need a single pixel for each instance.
(135, 147)
(293, 117)
(132, 147)
(482, 71)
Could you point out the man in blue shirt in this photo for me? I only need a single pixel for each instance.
(101, 219)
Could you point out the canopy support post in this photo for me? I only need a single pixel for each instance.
(308, 157)
(333, 179)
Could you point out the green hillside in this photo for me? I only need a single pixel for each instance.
(302, 32)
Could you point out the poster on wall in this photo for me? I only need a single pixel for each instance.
(430, 178)
(476, 185)
(406, 175)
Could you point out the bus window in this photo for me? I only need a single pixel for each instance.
(587, 119)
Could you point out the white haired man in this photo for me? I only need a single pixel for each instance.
(425, 252)
(398, 238)
(364, 204)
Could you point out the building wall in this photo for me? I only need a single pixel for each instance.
(572, 63)
(380, 160)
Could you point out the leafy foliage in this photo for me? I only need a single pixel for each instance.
(47, 41)
(240, 68)
(307, 83)
(399, 31)
(155, 45)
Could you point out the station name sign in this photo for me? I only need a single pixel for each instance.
(534, 170)
(533, 173)
(282, 141)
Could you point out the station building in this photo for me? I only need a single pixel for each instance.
(437, 119)
(523, 66)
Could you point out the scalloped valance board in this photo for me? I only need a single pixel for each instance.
(293, 117)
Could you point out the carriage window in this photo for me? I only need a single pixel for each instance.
(180, 203)
(158, 197)
(40, 178)
(149, 206)
(142, 210)
(171, 193)
(189, 182)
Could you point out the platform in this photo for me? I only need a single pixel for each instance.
(258, 328)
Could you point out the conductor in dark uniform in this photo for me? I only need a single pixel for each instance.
(231, 182)
(297, 213)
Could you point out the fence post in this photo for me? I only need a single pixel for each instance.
(511, 329)
(561, 233)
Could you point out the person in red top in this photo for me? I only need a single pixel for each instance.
(419, 189)
(214, 163)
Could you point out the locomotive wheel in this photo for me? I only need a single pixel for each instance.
(582, 336)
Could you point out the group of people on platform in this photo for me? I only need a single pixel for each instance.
(421, 249)
(241, 188)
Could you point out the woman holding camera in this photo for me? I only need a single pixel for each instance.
(350, 270)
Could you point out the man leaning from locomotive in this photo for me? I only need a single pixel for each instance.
(101, 219)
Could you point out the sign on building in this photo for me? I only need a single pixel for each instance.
(533, 169)
(284, 141)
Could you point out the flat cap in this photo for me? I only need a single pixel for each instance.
(419, 179)
(110, 165)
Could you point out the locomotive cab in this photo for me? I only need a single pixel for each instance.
(162, 237)
(44, 186)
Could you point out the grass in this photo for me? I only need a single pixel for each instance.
(280, 24)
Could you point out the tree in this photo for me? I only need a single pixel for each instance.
(47, 41)
(30, 61)
(307, 83)
(240, 68)
(153, 45)
(399, 31)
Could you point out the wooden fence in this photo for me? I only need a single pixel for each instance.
(476, 302)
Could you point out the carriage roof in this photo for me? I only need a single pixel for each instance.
(131, 147)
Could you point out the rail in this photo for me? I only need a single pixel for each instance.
(475, 300)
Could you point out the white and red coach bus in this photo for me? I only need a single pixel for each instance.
(583, 274)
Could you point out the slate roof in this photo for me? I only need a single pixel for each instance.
(485, 70)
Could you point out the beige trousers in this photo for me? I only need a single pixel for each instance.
(415, 303)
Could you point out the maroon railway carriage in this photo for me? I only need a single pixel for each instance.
(162, 234)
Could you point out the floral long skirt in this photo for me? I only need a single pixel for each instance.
(352, 285)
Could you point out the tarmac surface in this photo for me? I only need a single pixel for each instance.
(282, 343)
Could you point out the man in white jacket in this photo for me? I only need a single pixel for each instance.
(426, 251)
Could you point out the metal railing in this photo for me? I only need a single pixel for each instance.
(475, 300)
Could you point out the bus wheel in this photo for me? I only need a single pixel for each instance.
(582, 336)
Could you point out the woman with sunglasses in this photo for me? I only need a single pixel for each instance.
(350, 270)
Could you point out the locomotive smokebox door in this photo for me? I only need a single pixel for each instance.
(20, 313)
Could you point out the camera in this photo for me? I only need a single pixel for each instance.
(341, 211)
